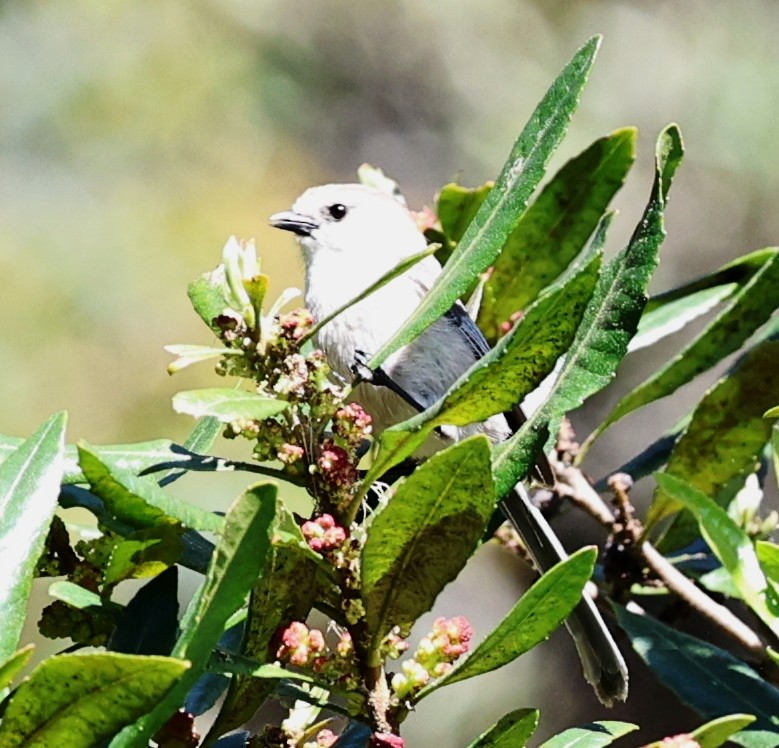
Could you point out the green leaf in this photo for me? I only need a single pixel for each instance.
(14, 665)
(456, 207)
(490, 228)
(145, 553)
(744, 313)
(768, 555)
(29, 486)
(726, 434)
(77, 596)
(611, 318)
(504, 376)
(207, 294)
(139, 501)
(708, 679)
(77, 700)
(673, 316)
(186, 355)
(227, 404)
(718, 731)
(593, 735)
(513, 730)
(555, 228)
(241, 555)
(419, 541)
(535, 616)
(730, 544)
(284, 593)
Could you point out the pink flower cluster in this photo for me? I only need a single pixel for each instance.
(322, 534)
(295, 324)
(336, 466)
(385, 740)
(352, 424)
(306, 647)
(435, 655)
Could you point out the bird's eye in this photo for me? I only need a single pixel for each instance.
(336, 211)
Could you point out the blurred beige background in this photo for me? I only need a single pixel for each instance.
(136, 137)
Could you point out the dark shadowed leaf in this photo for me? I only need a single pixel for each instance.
(487, 232)
(29, 485)
(419, 541)
(705, 677)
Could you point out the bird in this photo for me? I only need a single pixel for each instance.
(350, 236)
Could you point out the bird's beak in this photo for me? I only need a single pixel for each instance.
(294, 222)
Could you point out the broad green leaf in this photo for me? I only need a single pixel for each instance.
(488, 231)
(13, 665)
(611, 318)
(227, 404)
(77, 700)
(708, 679)
(284, 593)
(535, 616)
(456, 207)
(669, 318)
(593, 735)
(504, 376)
(772, 412)
(555, 228)
(145, 553)
(208, 297)
(419, 541)
(139, 501)
(726, 434)
(29, 486)
(240, 557)
(513, 730)
(730, 544)
(718, 731)
(744, 313)
(768, 555)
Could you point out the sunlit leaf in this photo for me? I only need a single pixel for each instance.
(419, 541)
(227, 404)
(29, 486)
(13, 665)
(718, 731)
(555, 228)
(593, 735)
(497, 216)
(513, 730)
(77, 700)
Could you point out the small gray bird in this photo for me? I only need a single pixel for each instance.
(351, 235)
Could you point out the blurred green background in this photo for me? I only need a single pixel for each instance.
(137, 136)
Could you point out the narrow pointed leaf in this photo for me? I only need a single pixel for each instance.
(730, 544)
(75, 595)
(513, 730)
(612, 316)
(726, 434)
(708, 679)
(488, 231)
(240, 557)
(593, 735)
(187, 355)
(420, 540)
(555, 228)
(718, 731)
(744, 313)
(768, 555)
(77, 700)
(227, 404)
(537, 614)
(504, 376)
(29, 486)
(139, 501)
(14, 665)
(284, 593)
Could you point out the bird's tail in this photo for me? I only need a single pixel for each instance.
(603, 665)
